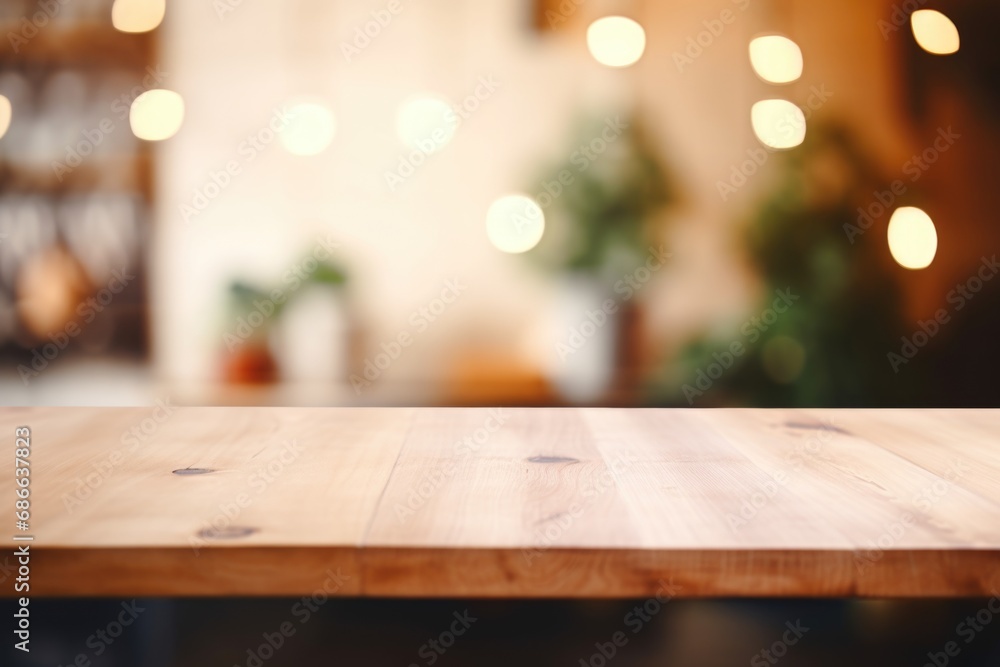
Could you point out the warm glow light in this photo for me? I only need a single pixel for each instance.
(778, 123)
(137, 15)
(426, 123)
(515, 223)
(310, 129)
(5, 115)
(912, 238)
(156, 114)
(776, 59)
(934, 32)
(616, 41)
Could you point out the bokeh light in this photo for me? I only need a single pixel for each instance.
(778, 123)
(157, 114)
(515, 223)
(6, 113)
(776, 59)
(310, 130)
(426, 123)
(137, 15)
(616, 41)
(934, 32)
(912, 238)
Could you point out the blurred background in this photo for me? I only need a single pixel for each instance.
(530, 202)
(501, 202)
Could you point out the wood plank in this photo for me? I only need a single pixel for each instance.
(821, 464)
(511, 502)
(539, 467)
(196, 487)
(210, 572)
(203, 474)
(696, 573)
(938, 439)
(688, 482)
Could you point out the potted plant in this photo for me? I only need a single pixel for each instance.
(598, 205)
(829, 347)
(255, 314)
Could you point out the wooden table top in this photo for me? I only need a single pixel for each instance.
(510, 502)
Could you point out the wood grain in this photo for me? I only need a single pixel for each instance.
(511, 502)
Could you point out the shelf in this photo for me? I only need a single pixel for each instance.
(80, 46)
(91, 176)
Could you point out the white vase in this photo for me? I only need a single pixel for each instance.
(314, 337)
(585, 327)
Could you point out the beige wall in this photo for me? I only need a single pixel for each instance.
(402, 246)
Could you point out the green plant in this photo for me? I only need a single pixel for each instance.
(245, 298)
(830, 347)
(598, 203)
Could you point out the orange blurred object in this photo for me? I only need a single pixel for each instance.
(50, 287)
(250, 364)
